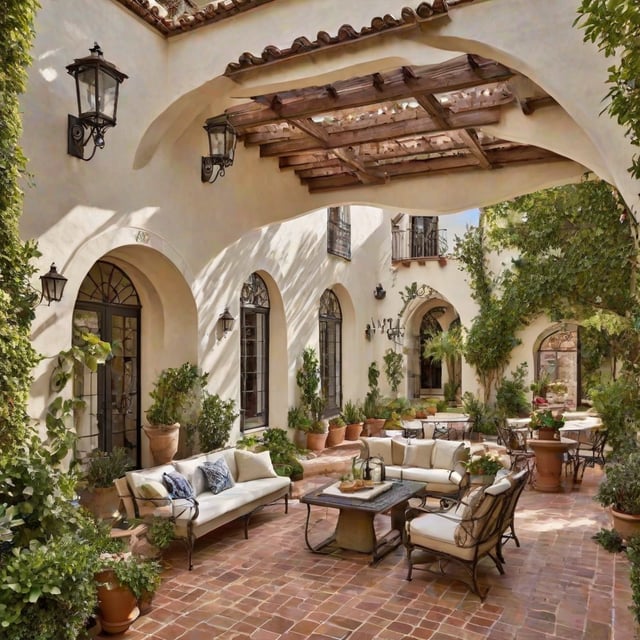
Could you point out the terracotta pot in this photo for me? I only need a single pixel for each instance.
(316, 441)
(163, 441)
(103, 502)
(336, 436)
(548, 433)
(625, 524)
(118, 605)
(353, 431)
(374, 426)
(300, 438)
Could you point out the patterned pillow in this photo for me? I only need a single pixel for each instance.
(218, 475)
(177, 485)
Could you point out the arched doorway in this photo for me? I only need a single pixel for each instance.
(108, 306)
(430, 369)
(558, 358)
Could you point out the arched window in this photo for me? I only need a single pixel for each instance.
(558, 358)
(108, 306)
(254, 353)
(331, 351)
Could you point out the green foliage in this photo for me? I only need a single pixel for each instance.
(337, 421)
(618, 405)
(620, 488)
(633, 553)
(17, 297)
(393, 369)
(141, 576)
(480, 414)
(106, 466)
(609, 539)
(214, 422)
(298, 419)
(372, 406)
(511, 396)
(160, 531)
(177, 395)
(281, 450)
(445, 346)
(547, 419)
(615, 27)
(308, 381)
(352, 412)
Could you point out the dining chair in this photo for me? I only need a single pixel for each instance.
(589, 452)
(515, 443)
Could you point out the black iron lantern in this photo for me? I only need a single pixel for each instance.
(52, 285)
(379, 293)
(226, 321)
(97, 87)
(222, 148)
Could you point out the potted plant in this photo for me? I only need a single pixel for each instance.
(159, 534)
(484, 467)
(620, 491)
(393, 369)
(372, 405)
(121, 581)
(353, 417)
(282, 452)
(393, 424)
(103, 467)
(176, 396)
(337, 431)
(547, 424)
(214, 422)
(298, 420)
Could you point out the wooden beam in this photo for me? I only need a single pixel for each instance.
(448, 76)
(403, 129)
(469, 137)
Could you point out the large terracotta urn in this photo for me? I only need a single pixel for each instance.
(625, 524)
(163, 441)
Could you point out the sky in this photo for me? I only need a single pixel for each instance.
(456, 223)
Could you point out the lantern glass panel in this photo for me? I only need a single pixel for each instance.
(87, 92)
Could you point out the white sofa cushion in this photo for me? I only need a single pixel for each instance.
(418, 454)
(229, 456)
(138, 478)
(446, 453)
(254, 466)
(378, 448)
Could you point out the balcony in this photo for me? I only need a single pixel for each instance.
(408, 245)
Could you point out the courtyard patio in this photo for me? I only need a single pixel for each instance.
(558, 584)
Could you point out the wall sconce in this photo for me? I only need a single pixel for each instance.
(379, 293)
(368, 332)
(225, 320)
(52, 285)
(222, 148)
(97, 85)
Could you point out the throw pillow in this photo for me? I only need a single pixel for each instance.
(218, 475)
(177, 485)
(418, 454)
(153, 490)
(253, 466)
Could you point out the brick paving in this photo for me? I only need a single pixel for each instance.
(558, 584)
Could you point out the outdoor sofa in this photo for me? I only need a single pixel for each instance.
(204, 492)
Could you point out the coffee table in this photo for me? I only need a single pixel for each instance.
(355, 528)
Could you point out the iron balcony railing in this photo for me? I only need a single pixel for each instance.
(339, 239)
(407, 244)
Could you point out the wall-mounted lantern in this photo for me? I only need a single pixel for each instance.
(379, 293)
(222, 148)
(53, 284)
(97, 87)
(225, 320)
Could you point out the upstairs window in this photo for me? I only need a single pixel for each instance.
(339, 232)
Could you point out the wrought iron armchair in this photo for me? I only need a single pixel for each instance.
(515, 442)
(589, 452)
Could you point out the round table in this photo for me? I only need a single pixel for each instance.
(549, 458)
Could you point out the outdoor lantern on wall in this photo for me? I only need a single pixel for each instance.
(226, 321)
(52, 285)
(97, 85)
(379, 293)
(222, 148)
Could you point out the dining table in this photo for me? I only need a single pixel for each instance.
(550, 458)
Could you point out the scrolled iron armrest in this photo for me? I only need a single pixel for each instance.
(192, 503)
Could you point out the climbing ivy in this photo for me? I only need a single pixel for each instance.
(574, 249)
(17, 297)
